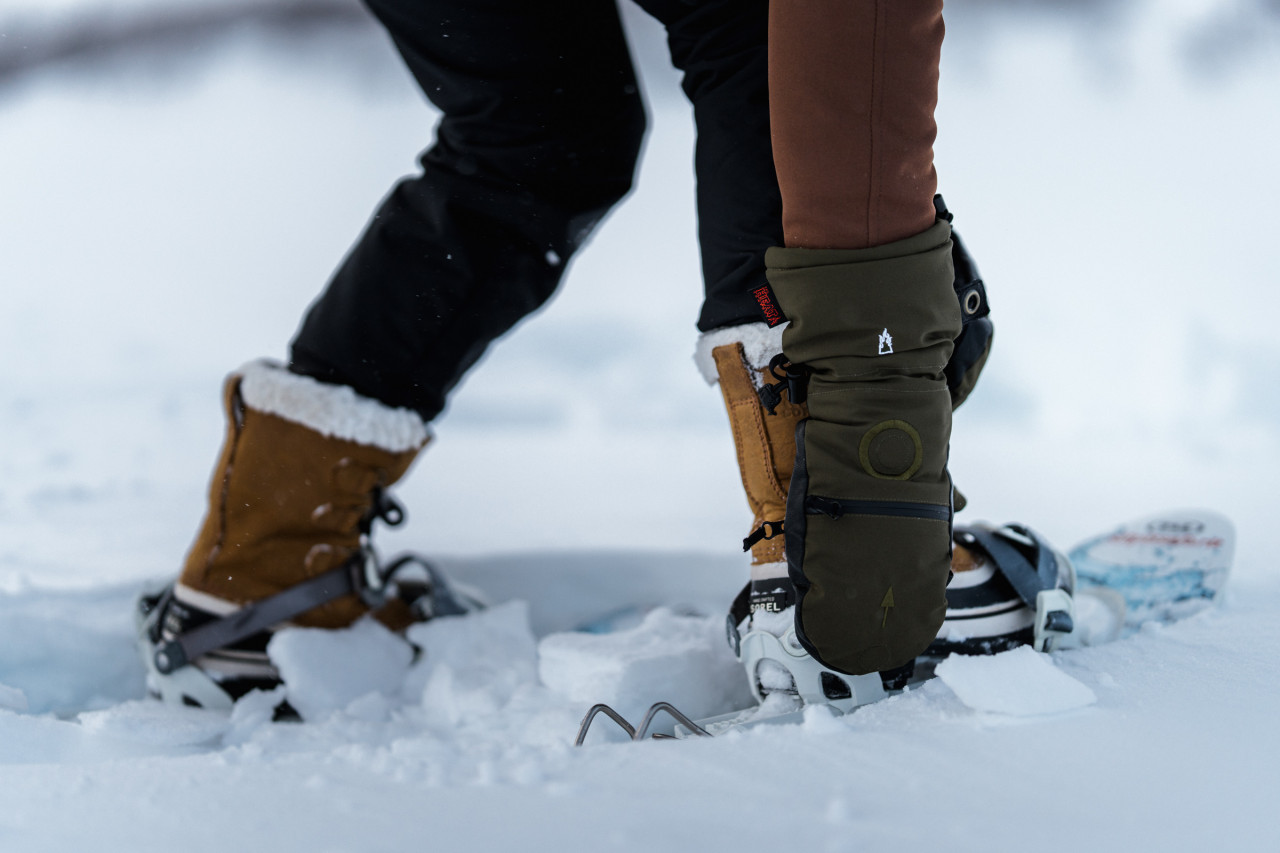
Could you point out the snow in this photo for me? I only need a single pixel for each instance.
(327, 671)
(166, 216)
(474, 666)
(1019, 682)
(668, 657)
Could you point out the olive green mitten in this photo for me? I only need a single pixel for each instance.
(869, 508)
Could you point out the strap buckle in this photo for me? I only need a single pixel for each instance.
(794, 378)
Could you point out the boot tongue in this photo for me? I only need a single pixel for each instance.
(771, 603)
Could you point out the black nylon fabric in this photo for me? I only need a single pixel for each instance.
(543, 122)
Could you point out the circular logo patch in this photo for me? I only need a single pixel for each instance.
(891, 450)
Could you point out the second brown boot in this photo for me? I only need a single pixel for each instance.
(301, 478)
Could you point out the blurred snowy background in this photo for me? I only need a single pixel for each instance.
(179, 177)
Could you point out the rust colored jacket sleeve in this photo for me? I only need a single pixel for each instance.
(852, 89)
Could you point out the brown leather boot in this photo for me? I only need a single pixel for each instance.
(300, 480)
(302, 466)
(744, 361)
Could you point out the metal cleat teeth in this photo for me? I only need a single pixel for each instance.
(642, 731)
(602, 708)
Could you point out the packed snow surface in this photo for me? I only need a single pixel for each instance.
(166, 215)
(1019, 682)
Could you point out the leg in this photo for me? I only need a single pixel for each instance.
(541, 129)
(542, 125)
(720, 47)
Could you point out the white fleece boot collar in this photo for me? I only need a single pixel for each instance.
(335, 411)
(759, 341)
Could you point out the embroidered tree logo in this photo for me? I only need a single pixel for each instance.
(886, 343)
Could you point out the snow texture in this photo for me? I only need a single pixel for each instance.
(1019, 682)
(168, 213)
(326, 671)
(668, 657)
(474, 666)
(331, 410)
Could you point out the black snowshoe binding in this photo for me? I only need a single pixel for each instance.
(1017, 592)
(203, 654)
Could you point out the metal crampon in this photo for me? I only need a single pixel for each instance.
(640, 732)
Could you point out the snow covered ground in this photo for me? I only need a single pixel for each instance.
(166, 216)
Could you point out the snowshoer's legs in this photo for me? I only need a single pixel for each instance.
(541, 129)
(542, 124)
(721, 47)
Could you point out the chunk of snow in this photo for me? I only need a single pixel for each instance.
(670, 658)
(325, 671)
(1019, 682)
(252, 711)
(472, 665)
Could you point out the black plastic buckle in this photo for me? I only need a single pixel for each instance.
(768, 530)
(793, 377)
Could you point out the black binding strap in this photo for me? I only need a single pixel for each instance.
(260, 615)
(1028, 578)
(361, 575)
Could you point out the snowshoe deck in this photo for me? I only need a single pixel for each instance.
(1166, 566)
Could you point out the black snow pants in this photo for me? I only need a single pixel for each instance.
(542, 124)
